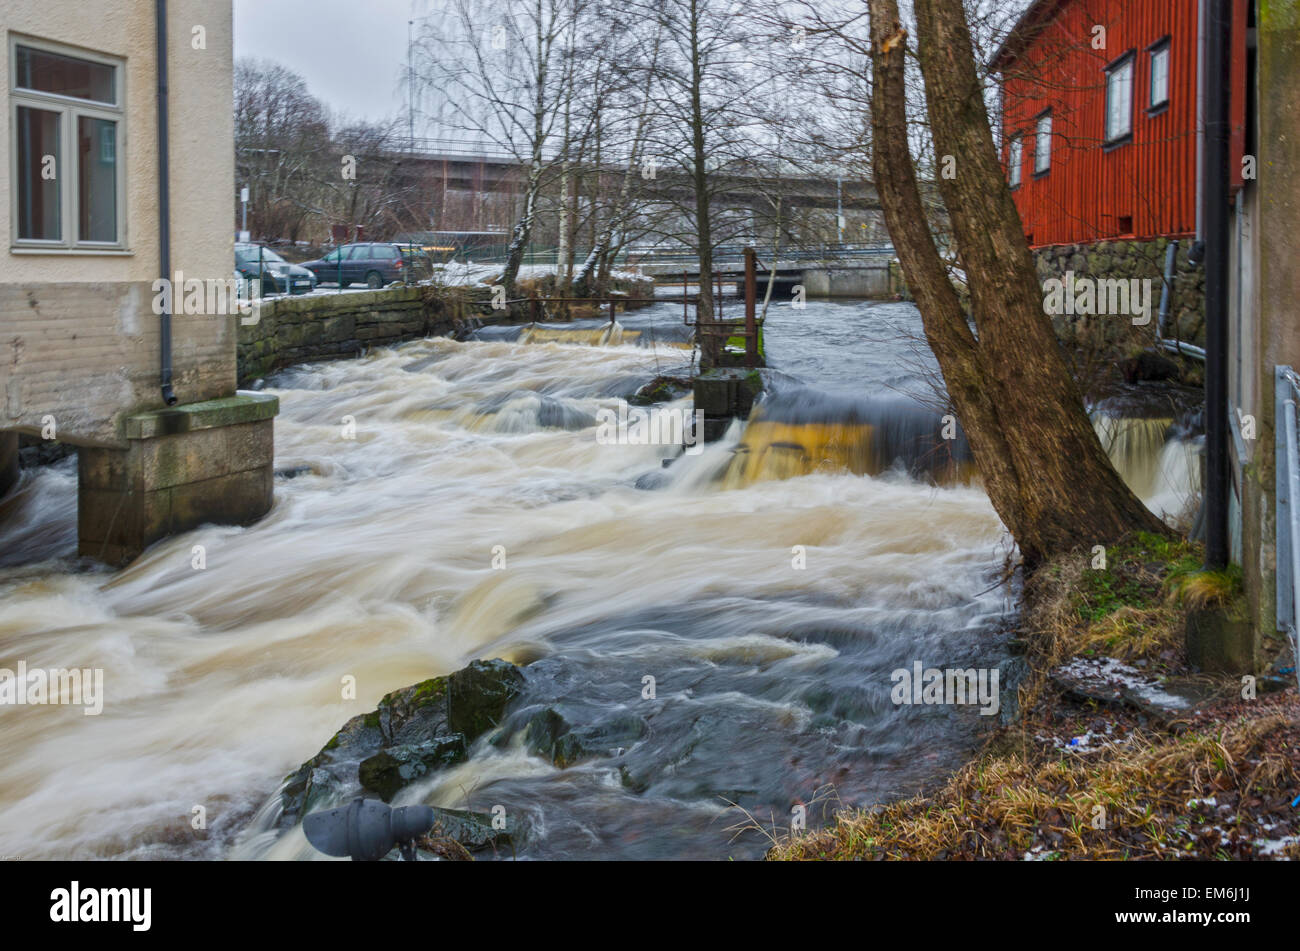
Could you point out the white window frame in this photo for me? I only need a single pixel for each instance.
(1126, 65)
(1015, 160)
(70, 109)
(1161, 49)
(1043, 133)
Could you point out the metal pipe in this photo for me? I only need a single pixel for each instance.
(164, 201)
(1293, 492)
(1286, 386)
(1214, 199)
(1166, 291)
(751, 295)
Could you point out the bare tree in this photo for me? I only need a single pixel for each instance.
(1043, 466)
(500, 67)
(279, 128)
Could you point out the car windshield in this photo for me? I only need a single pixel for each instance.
(250, 256)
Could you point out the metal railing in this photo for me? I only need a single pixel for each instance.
(730, 253)
(1286, 425)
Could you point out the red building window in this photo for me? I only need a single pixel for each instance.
(1043, 144)
(1158, 96)
(1119, 100)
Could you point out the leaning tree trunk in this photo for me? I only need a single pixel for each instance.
(1043, 466)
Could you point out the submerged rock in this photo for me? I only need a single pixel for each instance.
(548, 733)
(474, 830)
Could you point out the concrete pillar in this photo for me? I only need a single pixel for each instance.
(209, 462)
(8, 461)
(1277, 336)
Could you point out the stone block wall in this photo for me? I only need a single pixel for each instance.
(1141, 260)
(292, 330)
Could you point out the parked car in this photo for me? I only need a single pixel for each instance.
(374, 264)
(418, 262)
(278, 275)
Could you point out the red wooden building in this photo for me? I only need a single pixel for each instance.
(1099, 117)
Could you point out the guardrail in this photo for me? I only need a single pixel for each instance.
(1286, 425)
(725, 253)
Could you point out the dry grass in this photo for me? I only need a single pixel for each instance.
(1127, 801)
(1133, 791)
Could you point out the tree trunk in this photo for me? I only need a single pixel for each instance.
(699, 155)
(1043, 466)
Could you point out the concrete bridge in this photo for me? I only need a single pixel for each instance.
(477, 167)
(864, 273)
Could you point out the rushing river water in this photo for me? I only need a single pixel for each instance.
(772, 677)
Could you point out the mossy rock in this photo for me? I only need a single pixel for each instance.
(420, 728)
(392, 769)
(477, 696)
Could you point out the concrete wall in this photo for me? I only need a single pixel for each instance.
(1271, 335)
(79, 339)
(873, 281)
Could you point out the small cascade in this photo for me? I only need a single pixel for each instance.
(1157, 459)
(604, 334)
(634, 330)
(797, 432)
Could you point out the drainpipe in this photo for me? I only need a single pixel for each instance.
(1216, 77)
(164, 200)
(1166, 302)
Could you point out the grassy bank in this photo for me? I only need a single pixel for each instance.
(1121, 751)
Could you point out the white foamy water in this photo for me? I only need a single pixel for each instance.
(773, 681)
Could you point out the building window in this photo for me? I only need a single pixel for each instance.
(1043, 144)
(1119, 100)
(1015, 158)
(1159, 97)
(68, 190)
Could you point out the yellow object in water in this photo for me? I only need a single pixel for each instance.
(771, 450)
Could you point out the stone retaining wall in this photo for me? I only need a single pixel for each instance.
(327, 326)
(1141, 260)
(323, 326)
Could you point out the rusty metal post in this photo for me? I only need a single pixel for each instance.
(613, 310)
(751, 299)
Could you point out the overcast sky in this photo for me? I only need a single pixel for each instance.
(351, 52)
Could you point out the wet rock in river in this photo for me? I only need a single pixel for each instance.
(478, 695)
(549, 734)
(474, 830)
(413, 732)
(389, 770)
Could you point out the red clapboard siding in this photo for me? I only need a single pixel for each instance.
(1143, 188)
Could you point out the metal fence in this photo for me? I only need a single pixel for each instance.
(1286, 425)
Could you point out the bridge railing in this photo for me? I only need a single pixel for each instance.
(726, 253)
(1286, 425)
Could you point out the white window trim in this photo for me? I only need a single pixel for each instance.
(1163, 48)
(1042, 163)
(1016, 161)
(70, 109)
(1128, 62)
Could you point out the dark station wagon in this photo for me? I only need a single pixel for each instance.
(373, 264)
